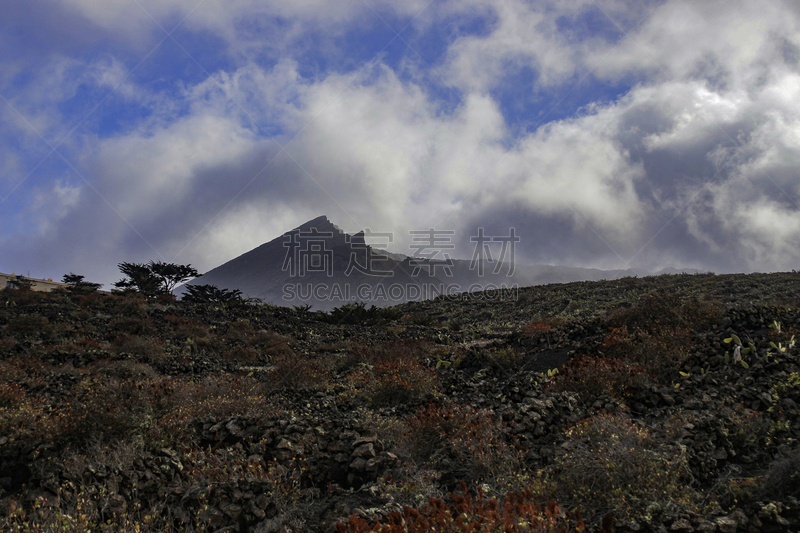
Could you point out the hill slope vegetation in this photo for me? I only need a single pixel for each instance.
(627, 405)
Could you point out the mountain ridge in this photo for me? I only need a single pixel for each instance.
(319, 264)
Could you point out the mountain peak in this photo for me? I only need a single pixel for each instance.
(320, 224)
(358, 239)
(319, 264)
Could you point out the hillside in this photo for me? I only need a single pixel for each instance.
(675, 407)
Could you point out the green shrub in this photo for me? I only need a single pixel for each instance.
(420, 319)
(509, 359)
(359, 313)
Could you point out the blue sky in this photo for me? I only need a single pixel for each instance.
(609, 133)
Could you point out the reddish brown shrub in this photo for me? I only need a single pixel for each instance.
(109, 408)
(240, 330)
(28, 325)
(22, 296)
(395, 382)
(466, 443)
(7, 345)
(177, 402)
(122, 369)
(616, 336)
(90, 301)
(241, 355)
(128, 304)
(662, 311)
(134, 325)
(25, 370)
(594, 376)
(270, 343)
(78, 346)
(11, 395)
(298, 372)
(611, 464)
(417, 350)
(662, 352)
(517, 512)
(542, 327)
(123, 405)
(186, 328)
(656, 332)
(749, 430)
(148, 347)
(209, 345)
(407, 349)
(33, 420)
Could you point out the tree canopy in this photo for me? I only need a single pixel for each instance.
(154, 278)
(76, 283)
(211, 294)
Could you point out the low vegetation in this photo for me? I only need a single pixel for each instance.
(629, 405)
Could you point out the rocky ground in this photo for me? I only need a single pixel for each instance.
(665, 403)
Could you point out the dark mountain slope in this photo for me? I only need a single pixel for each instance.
(317, 264)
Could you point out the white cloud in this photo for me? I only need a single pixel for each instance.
(522, 36)
(382, 151)
(34, 111)
(49, 206)
(145, 175)
(243, 227)
(734, 44)
(247, 27)
(700, 154)
(577, 166)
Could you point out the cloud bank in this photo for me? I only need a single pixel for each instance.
(610, 134)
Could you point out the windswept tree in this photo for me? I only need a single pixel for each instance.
(154, 278)
(212, 294)
(171, 274)
(77, 285)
